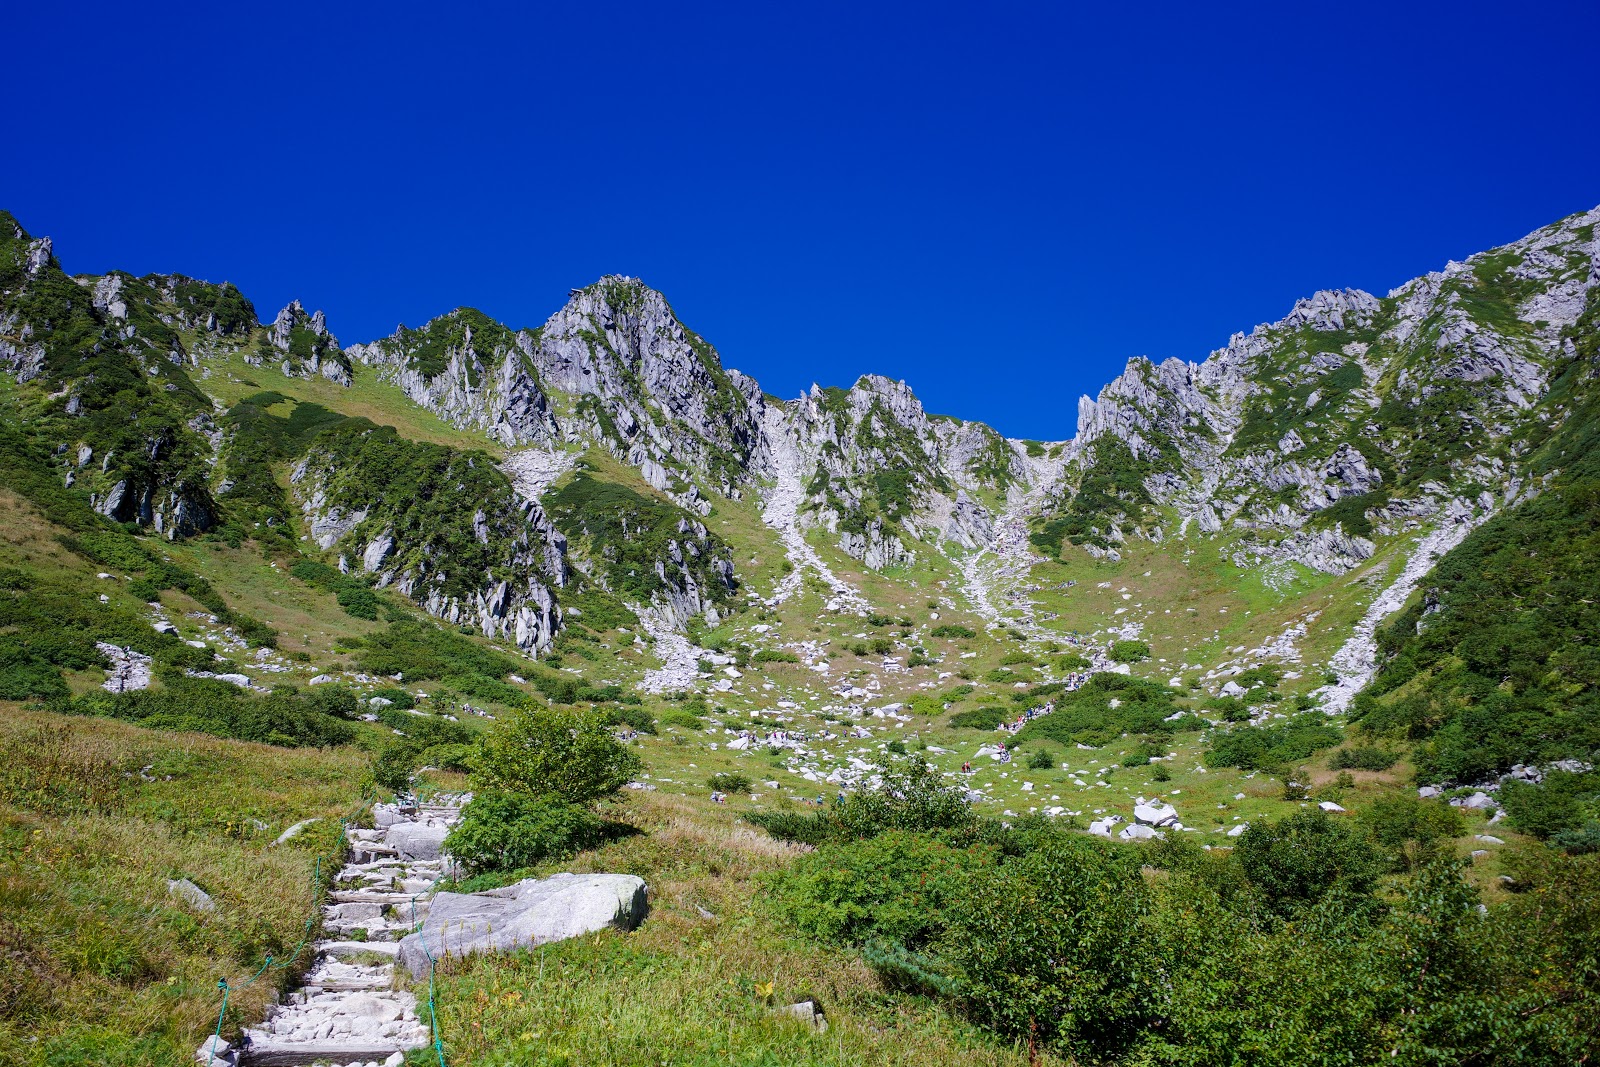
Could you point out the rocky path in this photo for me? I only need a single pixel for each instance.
(782, 513)
(992, 574)
(348, 1011)
(680, 657)
(1357, 659)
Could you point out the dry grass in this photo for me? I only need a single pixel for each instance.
(95, 817)
(686, 988)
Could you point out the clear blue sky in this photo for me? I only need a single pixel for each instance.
(998, 202)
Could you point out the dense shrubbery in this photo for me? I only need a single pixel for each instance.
(569, 755)
(354, 594)
(627, 533)
(1252, 748)
(912, 796)
(1497, 664)
(1105, 708)
(952, 632)
(506, 831)
(1129, 651)
(535, 776)
(981, 718)
(283, 717)
(1283, 947)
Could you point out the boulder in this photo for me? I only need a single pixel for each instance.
(808, 1012)
(534, 911)
(1155, 814)
(1330, 807)
(418, 840)
(191, 894)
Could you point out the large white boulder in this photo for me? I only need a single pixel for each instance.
(1154, 814)
(534, 911)
(417, 840)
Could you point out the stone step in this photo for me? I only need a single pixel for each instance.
(349, 986)
(368, 896)
(355, 948)
(306, 1053)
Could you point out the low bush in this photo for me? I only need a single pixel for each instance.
(895, 887)
(505, 831)
(952, 632)
(1129, 651)
(729, 782)
(1362, 758)
(981, 718)
(1251, 748)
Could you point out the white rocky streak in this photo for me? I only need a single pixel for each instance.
(533, 470)
(782, 513)
(1357, 659)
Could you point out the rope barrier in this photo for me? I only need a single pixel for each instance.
(305, 935)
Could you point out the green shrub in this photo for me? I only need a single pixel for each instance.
(1561, 802)
(1041, 761)
(988, 718)
(1129, 651)
(683, 719)
(1106, 707)
(1054, 945)
(1296, 860)
(728, 782)
(910, 796)
(949, 631)
(1252, 748)
(284, 717)
(505, 831)
(541, 752)
(895, 887)
(772, 655)
(633, 717)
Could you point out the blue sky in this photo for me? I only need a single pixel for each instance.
(999, 203)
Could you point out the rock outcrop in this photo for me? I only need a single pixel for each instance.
(535, 911)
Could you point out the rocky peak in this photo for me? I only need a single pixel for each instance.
(649, 386)
(305, 346)
(1347, 396)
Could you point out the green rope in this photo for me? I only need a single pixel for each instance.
(222, 984)
(305, 936)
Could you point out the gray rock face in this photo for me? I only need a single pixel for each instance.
(847, 439)
(485, 379)
(532, 912)
(513, 601)
(307, 346)
(1202, 430)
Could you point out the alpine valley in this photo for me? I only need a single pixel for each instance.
(1296, 646)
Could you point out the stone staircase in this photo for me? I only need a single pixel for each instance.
(348, 1012)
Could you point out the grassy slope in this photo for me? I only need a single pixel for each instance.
(95, 817)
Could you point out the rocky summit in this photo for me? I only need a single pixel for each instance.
(494, 692)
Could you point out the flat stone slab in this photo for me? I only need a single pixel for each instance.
(535, 911)
(301, 1054)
